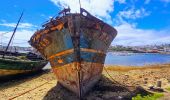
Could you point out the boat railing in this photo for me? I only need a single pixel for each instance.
(53, 21)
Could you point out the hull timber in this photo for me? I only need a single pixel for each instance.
(10, 67)
(76, 46)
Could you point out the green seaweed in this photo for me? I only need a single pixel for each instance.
(148, 97)
(168, 88)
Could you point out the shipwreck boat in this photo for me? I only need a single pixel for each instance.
(12, 63)
(76, 46)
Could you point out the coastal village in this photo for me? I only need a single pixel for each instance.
(163, 49)
(17, 49)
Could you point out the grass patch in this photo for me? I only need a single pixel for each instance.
(148, 97)
(168, 88)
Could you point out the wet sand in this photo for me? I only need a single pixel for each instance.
(117, 83)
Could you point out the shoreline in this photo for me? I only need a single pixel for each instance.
(143, 66)
(127, 52)
(43, 85)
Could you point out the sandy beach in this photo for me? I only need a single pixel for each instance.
(117, 83)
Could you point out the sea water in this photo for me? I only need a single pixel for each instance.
(136, 59)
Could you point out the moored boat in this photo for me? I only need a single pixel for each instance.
(15, 65)
(76, 46)
(12, 63)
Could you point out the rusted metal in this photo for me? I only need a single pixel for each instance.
(76, 47)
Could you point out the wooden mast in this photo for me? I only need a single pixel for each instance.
(12, 35)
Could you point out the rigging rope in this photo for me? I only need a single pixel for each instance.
(122, 85)
(27, 91)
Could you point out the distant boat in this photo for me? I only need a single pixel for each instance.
(12, 63)
(76, 46)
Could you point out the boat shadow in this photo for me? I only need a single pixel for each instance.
(105, 89)
(13, 80)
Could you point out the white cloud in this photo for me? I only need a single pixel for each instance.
(21, 25)
(121, 1)
(128, 34)
(49, 17)
(20, 39)
(98, 8)
(133, 13)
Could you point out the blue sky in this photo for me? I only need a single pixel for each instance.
(139, 22)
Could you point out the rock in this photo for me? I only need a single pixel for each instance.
(145, 82)
(140, 76)
(126, 76)
(158, 89)
(151, 87)
(145, 78)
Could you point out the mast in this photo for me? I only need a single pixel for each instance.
(12, 35)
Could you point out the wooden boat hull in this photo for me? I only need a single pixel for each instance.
(76, 48)
(67, 75)
(12, 67)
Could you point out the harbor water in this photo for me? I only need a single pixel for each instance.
(136, 59)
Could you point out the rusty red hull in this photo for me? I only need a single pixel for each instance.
(67, 75)
(76, 47)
